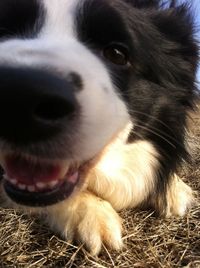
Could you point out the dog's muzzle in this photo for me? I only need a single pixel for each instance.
(36, 107)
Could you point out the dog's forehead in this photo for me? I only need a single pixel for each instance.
(60, 15)
(63, 16)
(22, 17)
(38, 18)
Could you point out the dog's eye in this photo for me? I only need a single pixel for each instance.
(117, 54)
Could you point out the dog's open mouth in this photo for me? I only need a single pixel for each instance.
(38, 183)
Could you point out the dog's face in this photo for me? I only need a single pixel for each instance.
(73, 75)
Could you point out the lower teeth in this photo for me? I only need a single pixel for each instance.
(21, 186)
(41, 186)
(33, 188)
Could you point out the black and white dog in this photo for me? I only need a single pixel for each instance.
(93, 102)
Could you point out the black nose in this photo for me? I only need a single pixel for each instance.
(35, 105)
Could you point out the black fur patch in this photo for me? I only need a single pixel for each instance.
(20, 18)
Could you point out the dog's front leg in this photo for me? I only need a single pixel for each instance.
(88, 219)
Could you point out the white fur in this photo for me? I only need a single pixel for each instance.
(89, 219)
(60, 18)
(180, 197)
(125, 175)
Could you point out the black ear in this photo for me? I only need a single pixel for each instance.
(176, 24)
(170, 51)
(144, 3)
(151, 3)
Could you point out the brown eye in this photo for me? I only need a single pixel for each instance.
(117, 54)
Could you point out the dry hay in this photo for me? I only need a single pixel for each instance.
(149, 242)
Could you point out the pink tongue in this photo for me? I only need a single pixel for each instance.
(27, 172)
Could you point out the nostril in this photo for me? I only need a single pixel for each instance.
(53, 109)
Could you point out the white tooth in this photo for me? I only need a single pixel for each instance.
(52, 184)
(13, 181)
(21, 186)
(41, 185)
(31, 188)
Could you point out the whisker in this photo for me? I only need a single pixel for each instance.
(157, 134)
(152, 117)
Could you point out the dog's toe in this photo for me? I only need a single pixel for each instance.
(89, 220)
(180, 197)
(100, 224)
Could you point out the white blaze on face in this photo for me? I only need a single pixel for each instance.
(60, 18)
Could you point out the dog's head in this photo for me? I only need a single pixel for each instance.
(74, 74)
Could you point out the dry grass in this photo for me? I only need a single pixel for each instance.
(149, 242)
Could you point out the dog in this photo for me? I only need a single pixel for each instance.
(94, 96)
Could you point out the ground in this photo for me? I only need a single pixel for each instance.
(149, 242)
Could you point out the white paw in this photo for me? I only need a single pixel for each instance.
(180, 198)
(92, 221)
(100, 225)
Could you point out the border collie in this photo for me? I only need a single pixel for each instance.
(94, 96)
